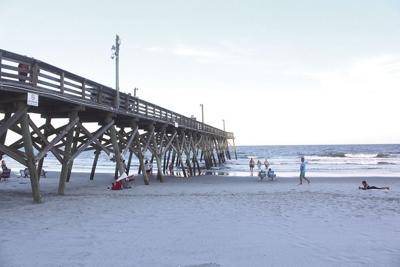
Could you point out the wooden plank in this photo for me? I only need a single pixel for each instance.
(52, 85)
(73, 85)
(48, 77)
(15, 76)
(72, 92)
(9, 67)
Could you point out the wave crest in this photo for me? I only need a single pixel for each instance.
(335, 155)
(382, 155)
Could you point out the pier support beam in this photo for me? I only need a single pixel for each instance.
(73, 151)
(30, 158)
(128, 166)
(46, 130)
(114, 141)
(67, 153)
(96, 158)
(4, 135)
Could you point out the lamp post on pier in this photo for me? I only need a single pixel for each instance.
(134, 91)
(115, 54)
(223, 122)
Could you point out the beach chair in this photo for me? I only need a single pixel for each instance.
(262, 174)
(271, 175)
(6, 174)
(25, 173)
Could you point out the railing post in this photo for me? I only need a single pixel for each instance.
(127, 97)
(62, 82)
(34, 74)
(83, 89)
(1, 59)
(100, 94)
(147, 112)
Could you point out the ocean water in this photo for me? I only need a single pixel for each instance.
(322, 161)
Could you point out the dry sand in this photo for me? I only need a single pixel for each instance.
(201, 221)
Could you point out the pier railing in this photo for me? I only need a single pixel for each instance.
(45, 79)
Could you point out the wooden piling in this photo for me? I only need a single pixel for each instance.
(117, 153)
(30, 162)
(96, 158)
(74, 147)
(128, 166)
(67, 153)
(45, 133)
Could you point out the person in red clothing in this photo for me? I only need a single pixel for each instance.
(117, 185)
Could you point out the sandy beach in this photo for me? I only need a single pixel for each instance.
(201, 221)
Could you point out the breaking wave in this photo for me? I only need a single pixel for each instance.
(383, 155)
(385, 163)
(334, 155)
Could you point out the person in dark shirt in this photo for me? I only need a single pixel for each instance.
(23, 70)
(366, 186)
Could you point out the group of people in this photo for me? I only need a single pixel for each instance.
(262, 173)
(302, 176)
(252, 165)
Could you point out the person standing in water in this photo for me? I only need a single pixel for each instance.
(303, 171)
(259, 165)
(251, 165)
(266, 164)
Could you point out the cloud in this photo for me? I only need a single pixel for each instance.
(221, 53)
(155, 49)
(372, 75)
(182, 50)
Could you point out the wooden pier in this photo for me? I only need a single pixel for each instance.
(30, 86)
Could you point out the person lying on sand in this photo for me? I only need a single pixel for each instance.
(366, 186)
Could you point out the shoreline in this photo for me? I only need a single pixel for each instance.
(80, 181)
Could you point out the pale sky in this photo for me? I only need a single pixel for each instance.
(278, 72)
